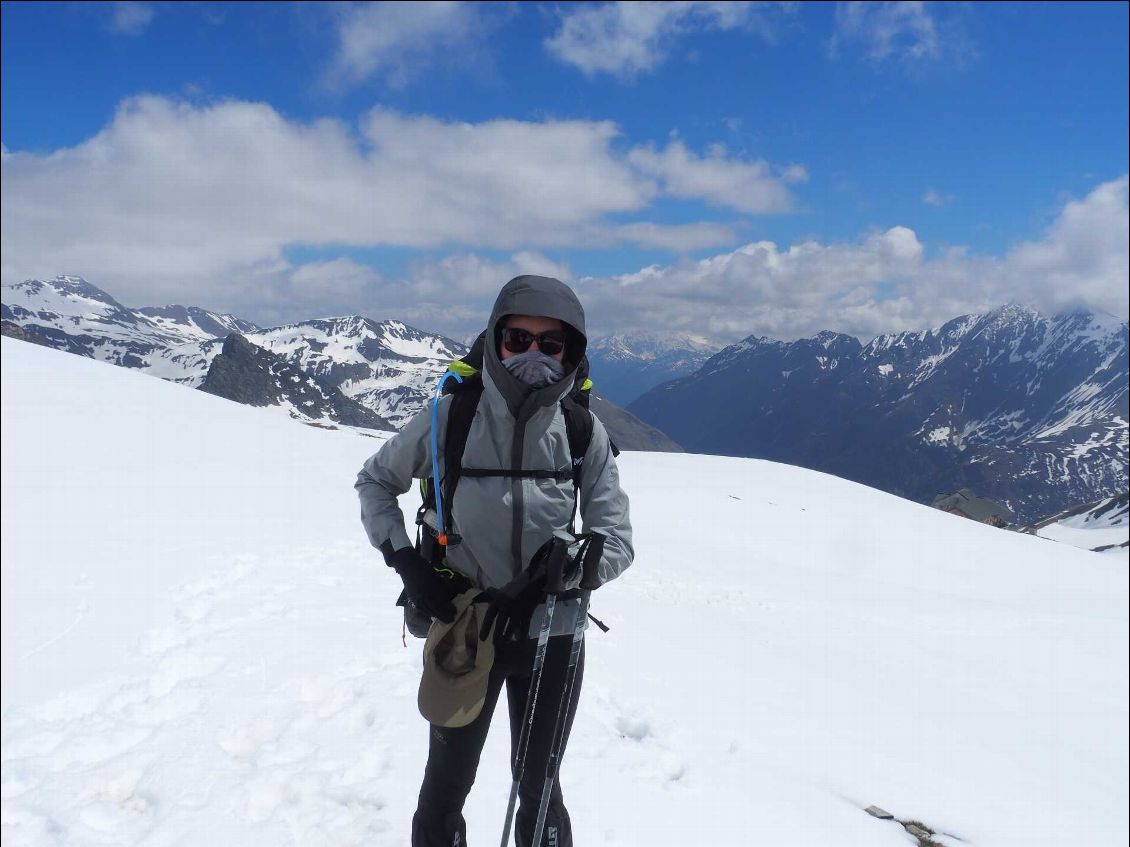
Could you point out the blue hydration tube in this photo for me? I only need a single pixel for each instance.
(442, 530)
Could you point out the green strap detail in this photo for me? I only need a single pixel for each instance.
(462, 369)
(586, 385)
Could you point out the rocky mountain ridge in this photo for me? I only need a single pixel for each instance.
(386, 367)
(1028, 410)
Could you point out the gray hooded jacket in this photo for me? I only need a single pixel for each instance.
(503, 521)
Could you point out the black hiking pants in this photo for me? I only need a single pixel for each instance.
(453, 754)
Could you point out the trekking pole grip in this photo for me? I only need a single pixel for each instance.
(590, 577)
(555, 566)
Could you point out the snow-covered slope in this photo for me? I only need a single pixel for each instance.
(186, 364)
(199, 646)
(1102, 526)
(194, 322)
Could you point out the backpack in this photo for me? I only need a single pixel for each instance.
(461, 412)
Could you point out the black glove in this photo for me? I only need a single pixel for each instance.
(510, 608)
(558, 567)
(424, 587)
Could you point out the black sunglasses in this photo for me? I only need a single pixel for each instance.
(518, 340)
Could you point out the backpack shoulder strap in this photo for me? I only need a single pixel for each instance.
(578, 428)
(582, 396)
(460, 413)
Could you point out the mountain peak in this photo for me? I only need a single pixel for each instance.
(1011, 315)
(650, 345)
(67, 286)
(236, 345)
(837, 341)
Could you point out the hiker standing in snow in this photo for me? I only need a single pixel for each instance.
(505, 526)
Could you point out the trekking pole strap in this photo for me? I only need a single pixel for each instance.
(601, 624)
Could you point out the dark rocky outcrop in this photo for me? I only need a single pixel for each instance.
(248, 374)
(12, 330)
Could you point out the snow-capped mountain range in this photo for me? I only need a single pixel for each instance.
(631, 365)
(1022, 408)
(76, 316)
(387, 368)
(1028, 410)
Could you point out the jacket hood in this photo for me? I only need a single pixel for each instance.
(546, 297)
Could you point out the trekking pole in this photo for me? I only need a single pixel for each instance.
(589, 581)
(519, 765)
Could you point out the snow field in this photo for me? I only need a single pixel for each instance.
(1089, 538)
(1109, 530)
(199, 646)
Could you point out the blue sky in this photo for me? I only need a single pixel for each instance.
(897, 163)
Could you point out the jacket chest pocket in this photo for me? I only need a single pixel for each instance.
(548, 503)
(482, 505)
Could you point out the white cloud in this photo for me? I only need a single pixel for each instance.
(682, 238)
(933, 197)
(630, 38)
(910, 32)
(751, 187)
(882, 283)
(1081, 262)
(503, 182)
(397, 39)
(201, 240)
(758, 287)
(169, 195)
(172, 202)
(452, 295)
(130, 18)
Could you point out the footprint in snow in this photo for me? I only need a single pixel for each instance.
(633, 728)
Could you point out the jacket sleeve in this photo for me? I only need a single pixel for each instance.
(604, 505)
(387, 474)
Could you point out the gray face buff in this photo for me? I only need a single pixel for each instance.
(534, 368)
